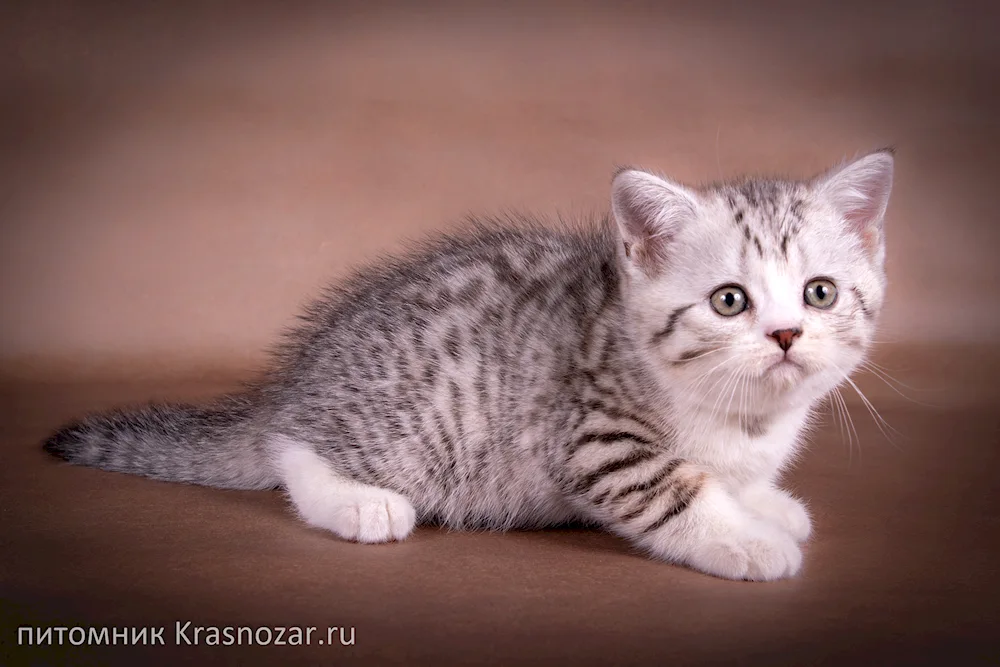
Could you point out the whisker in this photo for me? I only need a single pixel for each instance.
(841, 412)
(852, 432)
(741, 413)
(835, 415)
(880, 422)
(697, 384)
(889, 381)
(850, 421)
(732, 394)
(715, 406)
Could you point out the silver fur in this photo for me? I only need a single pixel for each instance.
(519, 376)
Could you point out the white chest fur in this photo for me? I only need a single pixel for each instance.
(738, 449)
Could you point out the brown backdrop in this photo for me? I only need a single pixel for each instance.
(176, 179)
(177, 182)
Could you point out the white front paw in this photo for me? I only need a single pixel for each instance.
(779, 508)
(370, 515)
(757, 554)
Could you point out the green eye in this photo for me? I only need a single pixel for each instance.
(820, 293)
(728, 301)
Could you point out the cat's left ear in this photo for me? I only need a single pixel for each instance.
(859, 192)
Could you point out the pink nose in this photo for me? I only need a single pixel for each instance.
(785, 337)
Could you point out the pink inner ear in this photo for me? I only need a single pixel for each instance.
(868, 203)
(864, 216)
(861, 192)
(649, 212)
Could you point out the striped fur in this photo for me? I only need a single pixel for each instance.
(519, 376)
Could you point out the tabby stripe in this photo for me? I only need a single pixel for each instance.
(862, 303)
(671, 323)
(539, 291)
(453, 343)
(456, 410)
(593, 383)
(624, 388)
(630, 461)
(447, 440)
(688, 355)
(617, 394)
(545, 295)
(616, 413)
(503, 271)
(601, 498)
(610, 284)
(652, 483)
(482, 391)
(685, 495)
(481, 463)
(373, 476)
(609, 437)
(438, 465)
(647, 500)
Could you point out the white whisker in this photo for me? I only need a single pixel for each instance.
(891, 382)
(880, 422)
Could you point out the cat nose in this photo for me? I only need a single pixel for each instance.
(785, 337)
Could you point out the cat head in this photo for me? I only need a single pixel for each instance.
(763, 291)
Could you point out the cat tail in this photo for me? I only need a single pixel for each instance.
(216, 445)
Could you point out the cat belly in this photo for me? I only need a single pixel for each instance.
(501, 511)
(514, 493)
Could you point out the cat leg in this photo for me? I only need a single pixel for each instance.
(349, 509)
(779, 507)
(679, 512)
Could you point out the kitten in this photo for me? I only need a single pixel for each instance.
(652, 375)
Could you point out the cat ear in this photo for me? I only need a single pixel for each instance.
(859, 191)
(649, 212)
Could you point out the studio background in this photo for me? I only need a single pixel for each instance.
(178, 179)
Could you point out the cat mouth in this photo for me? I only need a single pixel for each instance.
(783, 366)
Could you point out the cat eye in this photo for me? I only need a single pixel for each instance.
(820, 293)
(729, 300)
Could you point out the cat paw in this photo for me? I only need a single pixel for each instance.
(779, 508)
(370, 515)
(349, 509)
(756, 555)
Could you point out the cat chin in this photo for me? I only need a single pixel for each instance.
(787, 386)
(816, 386)
(785, 375)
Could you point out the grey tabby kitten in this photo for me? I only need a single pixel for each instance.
(652, 375)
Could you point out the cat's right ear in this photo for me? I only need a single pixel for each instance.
(649, 211)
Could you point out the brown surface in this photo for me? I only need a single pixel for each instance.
(902, 569)
(176, 182)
